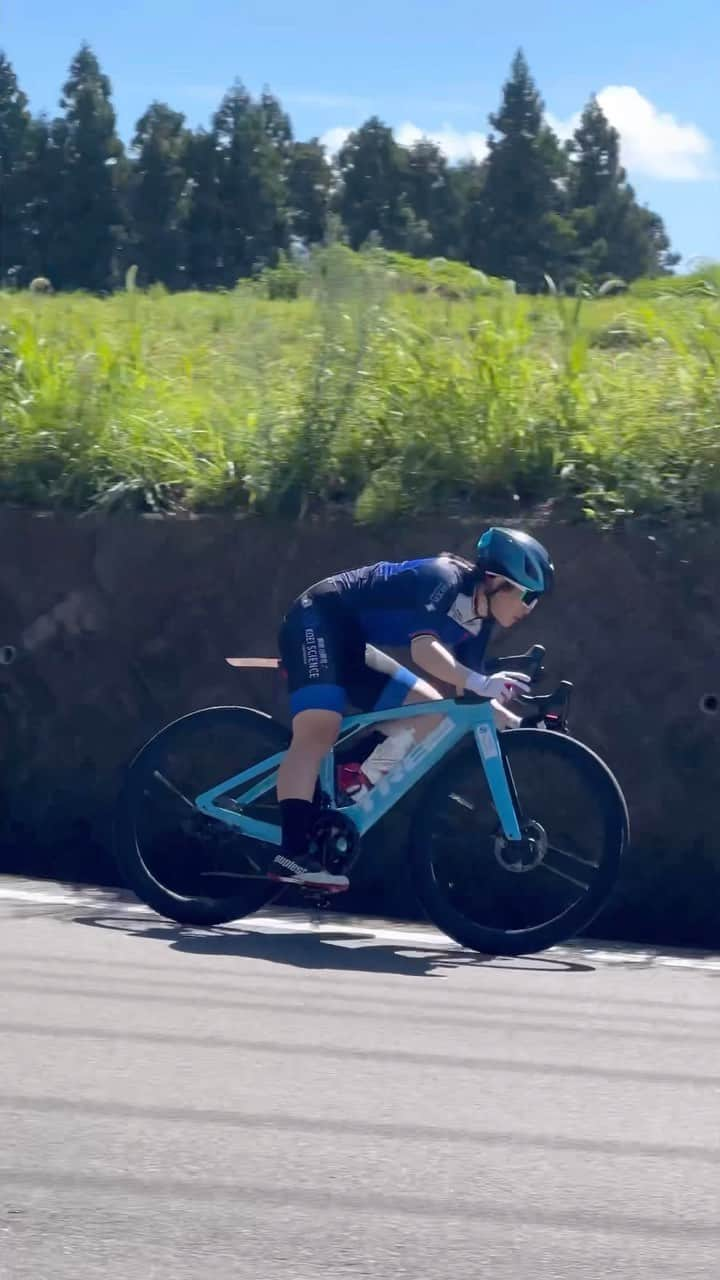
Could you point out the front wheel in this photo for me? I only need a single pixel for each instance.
(501, 898)
(185, 865)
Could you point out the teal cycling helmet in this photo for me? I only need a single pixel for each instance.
(516, 556)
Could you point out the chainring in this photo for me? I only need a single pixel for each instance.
(334, 841)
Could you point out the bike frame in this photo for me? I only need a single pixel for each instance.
(459, 718)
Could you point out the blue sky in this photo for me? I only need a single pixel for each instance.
(425, 67)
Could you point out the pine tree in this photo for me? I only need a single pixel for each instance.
(468, 185)
(157, 186)
(15, 154)
(523, 234)
(275, 122)
(595, 150)
(251, 184)
(46, 194)
(433, 197)
(615, 236)
(202, 220)
(204, 208)
(309, 180)
(372, 199)
(89, 215)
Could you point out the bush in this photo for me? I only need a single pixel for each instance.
(283, 281)
(338, 382)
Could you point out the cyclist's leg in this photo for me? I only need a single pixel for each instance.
(421, 691)
(393, 685)
(376, 682)
(383, 683)
(311, 643)
(310, 640)
(314, 733)
(400, 687)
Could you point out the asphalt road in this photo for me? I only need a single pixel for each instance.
(361, 1101)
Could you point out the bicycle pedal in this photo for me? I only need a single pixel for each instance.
(317, 901)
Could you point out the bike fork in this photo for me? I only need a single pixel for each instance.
(501, 786)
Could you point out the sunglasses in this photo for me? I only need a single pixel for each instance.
(528, 598)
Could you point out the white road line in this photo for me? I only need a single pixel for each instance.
(65, 899)
(301, 924)
(422, 936)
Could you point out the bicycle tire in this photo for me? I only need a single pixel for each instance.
(612, 813)
(182, 907)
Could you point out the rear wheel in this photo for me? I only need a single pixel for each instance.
(503, 898)
(185, 865)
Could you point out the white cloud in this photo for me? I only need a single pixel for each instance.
(653, 144)
(455, 144)
(334, 139)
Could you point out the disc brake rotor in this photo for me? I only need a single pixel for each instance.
(519, 856)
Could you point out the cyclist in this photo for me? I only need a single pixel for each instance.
(438, 606)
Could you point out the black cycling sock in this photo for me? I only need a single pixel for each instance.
(296, 817)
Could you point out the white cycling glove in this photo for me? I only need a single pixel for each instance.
(503, 686)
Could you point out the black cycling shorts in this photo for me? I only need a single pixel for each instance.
(325, 657)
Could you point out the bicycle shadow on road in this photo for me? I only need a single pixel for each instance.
(326, 948)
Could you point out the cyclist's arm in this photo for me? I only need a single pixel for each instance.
(439, 589)
(427, 651)
(473, 649)
(433, 657)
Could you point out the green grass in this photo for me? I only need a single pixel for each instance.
(388, 386)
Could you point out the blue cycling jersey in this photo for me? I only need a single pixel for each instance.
(395, 601)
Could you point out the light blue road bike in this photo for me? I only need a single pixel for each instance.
(515, 839)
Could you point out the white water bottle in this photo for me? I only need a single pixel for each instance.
(387, 754)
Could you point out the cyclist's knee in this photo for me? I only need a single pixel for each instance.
(420, 692)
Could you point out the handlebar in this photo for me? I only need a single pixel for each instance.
(532, 661)
(550, 709)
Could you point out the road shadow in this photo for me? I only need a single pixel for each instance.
(328, 947)
(104, 902)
